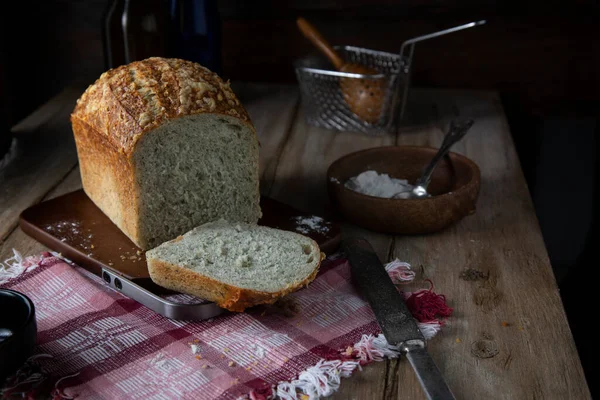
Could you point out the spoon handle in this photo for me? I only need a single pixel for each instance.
(456, 132)
(312, 34)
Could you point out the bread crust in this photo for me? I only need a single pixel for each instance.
(227, 296)
(133, 99)
(123, 105)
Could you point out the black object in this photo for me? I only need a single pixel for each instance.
(18, 331)
(134, 30)
(196, 32)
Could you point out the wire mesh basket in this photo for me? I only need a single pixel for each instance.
(321, 85)
(322, 98)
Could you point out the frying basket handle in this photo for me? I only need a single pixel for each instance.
(411, 42)
(405, 67)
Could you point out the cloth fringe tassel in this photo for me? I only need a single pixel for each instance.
(15, 266)
(26, 381)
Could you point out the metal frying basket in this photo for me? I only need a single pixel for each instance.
(323, 101)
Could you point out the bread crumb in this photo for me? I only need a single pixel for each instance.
(458, 340)
(226, 349)
(204, 366)
(92, 246)
(198, 357)
(231, 363)
(349, 351)
(505, 323)
(195, 348)
(248, 368)
(139, 253)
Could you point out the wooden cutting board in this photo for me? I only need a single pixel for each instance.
(74, 226)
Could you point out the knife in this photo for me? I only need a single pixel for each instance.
(393, 316)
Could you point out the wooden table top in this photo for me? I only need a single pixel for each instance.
(516, 309)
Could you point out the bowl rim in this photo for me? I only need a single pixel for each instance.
(476, 176)
(29, 319)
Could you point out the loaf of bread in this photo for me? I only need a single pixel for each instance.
(164, 146)
(235, 265)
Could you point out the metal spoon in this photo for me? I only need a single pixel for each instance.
(458, 129)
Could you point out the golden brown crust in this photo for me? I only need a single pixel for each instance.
(230, 297)
(130, 100)
(108, 178)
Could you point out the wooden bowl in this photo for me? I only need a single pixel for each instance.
(454, 188)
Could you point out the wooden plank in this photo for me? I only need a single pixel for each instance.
(23, 243)
(46, 153)
(517, 309)
(272, 109)
(301, 173)
(48, 110)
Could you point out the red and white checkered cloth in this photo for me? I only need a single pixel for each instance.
(106, 346)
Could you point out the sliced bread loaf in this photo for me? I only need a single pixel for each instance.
(164, 146)
(236, 265)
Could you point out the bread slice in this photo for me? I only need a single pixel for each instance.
(235, 265)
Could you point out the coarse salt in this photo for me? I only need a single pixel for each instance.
(310, 224)
(379, 185)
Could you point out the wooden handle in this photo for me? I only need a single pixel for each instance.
(311, 33)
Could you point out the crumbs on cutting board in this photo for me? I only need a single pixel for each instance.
(133, 257)
(311, 224)
(74, 233)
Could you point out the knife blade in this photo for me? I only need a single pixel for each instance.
(393, 316)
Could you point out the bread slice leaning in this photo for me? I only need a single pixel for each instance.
(235, 265)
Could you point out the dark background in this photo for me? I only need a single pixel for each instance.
(542, 57)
